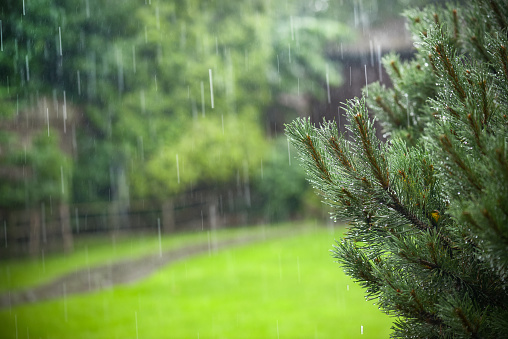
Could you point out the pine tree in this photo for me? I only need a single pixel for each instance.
(428, 209)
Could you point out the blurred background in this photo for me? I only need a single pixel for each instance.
(161, 117)
(117, 114)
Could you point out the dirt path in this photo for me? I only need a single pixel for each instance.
(120, 272)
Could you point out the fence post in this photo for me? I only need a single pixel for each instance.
(35, 232)
(212, 214)
(65, 223)
(168, 216)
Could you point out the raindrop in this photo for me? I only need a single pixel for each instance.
(134, 58)
(16, 316)
(289, 53)
(328, 85)
(209, 238)
(292, 28)
(142, 100)
(277, 329)
(361, 329)
(65, 113)
(47, 118)
(380, 69)
(23, 14)
(261, 169)
(119, 64)
(142, 149)
(407, 103)
(366, 88)
(43, 217)
(1, 37)
(79, 84)
(349, 76)
(87, 6)
(202, 99)
(62, 178)
(246, 183)
(289, 154)
(43, 262)
(27, 68)
(371, 47)
(60, 39)
(155, 79)
(355, 13)
(65, 300)
(136, 317)
(211, 86)
(157, 19)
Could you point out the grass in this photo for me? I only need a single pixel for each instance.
(279, 288)
(90, 251)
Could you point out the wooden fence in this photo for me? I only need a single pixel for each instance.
(47, 228)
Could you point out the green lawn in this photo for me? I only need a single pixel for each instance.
(280, 288)
(91, 251)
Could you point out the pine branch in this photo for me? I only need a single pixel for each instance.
(387, 110)
(320, 164)
(450, 149)
(427, 210)
(450, 70)
(473, 332)
(339, 153)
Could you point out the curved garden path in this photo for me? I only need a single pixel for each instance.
(119, 272)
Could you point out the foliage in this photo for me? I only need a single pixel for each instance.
(36, 173)
(202, 104)
(154, 79)
(211, 151)
(298, 70)
(427, 210)
(280, 187)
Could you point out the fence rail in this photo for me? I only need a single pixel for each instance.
(48, 228)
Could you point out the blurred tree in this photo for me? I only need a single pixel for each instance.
(280, 186)
(171, 94)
